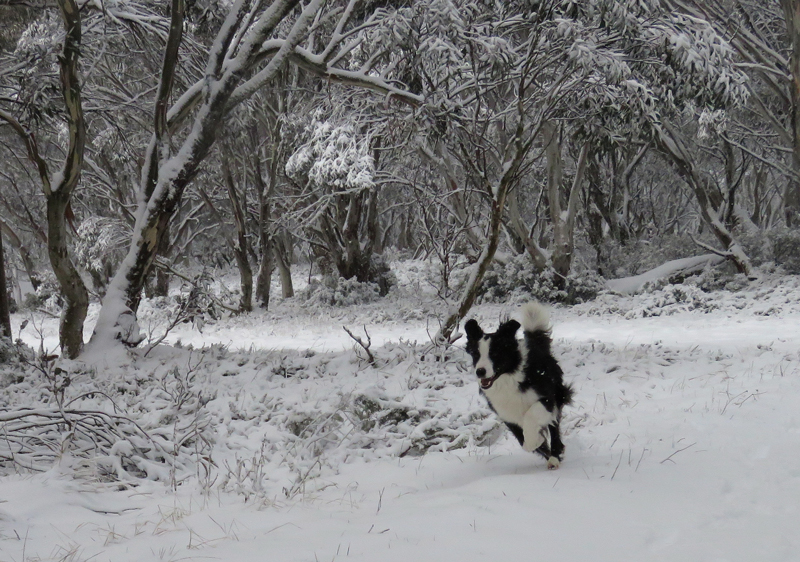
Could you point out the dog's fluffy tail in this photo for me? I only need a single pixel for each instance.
(535, 318)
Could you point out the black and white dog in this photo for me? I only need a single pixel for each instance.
(522, 380)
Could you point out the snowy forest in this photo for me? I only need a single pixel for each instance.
(239, 239)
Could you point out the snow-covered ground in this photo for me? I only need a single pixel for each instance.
(683, 442)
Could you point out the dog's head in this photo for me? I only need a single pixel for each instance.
(493, 354)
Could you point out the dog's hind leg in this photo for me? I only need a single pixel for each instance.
(556, 447)
(552, 450)
(534, 420)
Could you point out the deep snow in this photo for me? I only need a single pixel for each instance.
(683, 442)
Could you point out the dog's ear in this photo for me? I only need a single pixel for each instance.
(473, 331)
(508, 328)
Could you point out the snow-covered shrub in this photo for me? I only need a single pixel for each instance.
(671, 299)
(341, 292)
(197, 303)
(786, 248)
(718, 279)
(316, 412)
(15, 358)
(758, 246)
(381, 274)
(775, 247)
(516, 281)
(125, 426)
(47, 295)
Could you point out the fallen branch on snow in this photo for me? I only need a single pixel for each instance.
(684, 266)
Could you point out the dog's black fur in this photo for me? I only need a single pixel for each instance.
(539, 379)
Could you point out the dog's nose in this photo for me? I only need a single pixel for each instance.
(480, 372)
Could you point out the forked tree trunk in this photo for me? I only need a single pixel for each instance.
(159, 201)
(539, 256)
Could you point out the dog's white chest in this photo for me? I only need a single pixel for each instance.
(507, 400)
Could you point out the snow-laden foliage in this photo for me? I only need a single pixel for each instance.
(101, 244)
(612, 66)
(334, 156)
(43, 37)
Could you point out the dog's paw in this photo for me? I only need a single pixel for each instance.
(553, 463)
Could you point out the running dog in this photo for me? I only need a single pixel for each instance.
(522, 380)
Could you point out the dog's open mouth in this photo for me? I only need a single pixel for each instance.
(487, 383)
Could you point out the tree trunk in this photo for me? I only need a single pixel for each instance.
(563, 220)
(58, 196)
(5, 312)
(282, 249)
(74, 291)
(265, 235)
(265, 269)
(76, 296)
(241, 247)
(499, 195)
(791, 203)
(162, 275)
(708, 201)
(479, 269)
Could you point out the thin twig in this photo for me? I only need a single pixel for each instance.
(365, 346)
(669, 458)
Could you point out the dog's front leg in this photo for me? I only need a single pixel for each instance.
(534, 422)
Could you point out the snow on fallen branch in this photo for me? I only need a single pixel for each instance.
(35, 439)
(684, 266)
(74, 422)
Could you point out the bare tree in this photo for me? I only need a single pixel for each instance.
(243, 59)
(59, 187)
(766, 35)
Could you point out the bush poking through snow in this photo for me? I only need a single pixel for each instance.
(516, 281)
(274, 422)
(67, 416)
(341, 292)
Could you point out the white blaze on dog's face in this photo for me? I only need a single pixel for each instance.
(483, 366)
(494, 354)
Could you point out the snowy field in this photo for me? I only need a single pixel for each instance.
(683, 442)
